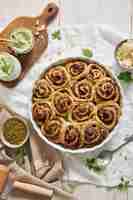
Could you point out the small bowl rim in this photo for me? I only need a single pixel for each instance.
(117, 60)
(8, 144)
(81, 150)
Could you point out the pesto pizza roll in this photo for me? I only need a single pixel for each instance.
(57, 76)
(42, 111)
(82, 90)
(108, 113)
(96, 72)
(107, 89)
(94, 133)
(77, 69)
(53, 129)
(62, 102)
(82, 111)
(72, 137)
(41, 90)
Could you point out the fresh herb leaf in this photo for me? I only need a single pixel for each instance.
(56, 35)
(66, 116)
(125, 76)
(123, 185)
(87, 52)
(92, 164)
(20, 153)
(5, 66)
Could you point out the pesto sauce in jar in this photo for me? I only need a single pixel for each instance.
(14, 131)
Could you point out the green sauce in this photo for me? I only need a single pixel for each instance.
(10, 67)
(6, 65)
(14, 131)
(22, 40)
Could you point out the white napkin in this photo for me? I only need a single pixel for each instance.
(102, 39)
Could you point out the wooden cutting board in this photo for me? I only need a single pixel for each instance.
(41, 40)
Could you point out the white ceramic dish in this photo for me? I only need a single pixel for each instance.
(17, 68)
(82, 150)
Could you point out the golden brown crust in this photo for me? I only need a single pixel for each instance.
(82, 90)
(82, 111)
(42, 111)
(53, 129)
(41, 90)
(62, 102)
(94, 133)
(77, 69)
(57, 77)
(96, 72)
(107, 90)
(72, 138)
(108, 113)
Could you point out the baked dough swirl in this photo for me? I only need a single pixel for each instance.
(94, 133)
(96, 72)
(62, 102)
(82, 111)
(42, 111)
(108, 113)
(57, 76)
(76, 69)
(82, 90)
(76, 103)
(53, 129)
(72, 138)
(107, 89)
(41, 89)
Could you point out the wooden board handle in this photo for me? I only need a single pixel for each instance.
(49, 13)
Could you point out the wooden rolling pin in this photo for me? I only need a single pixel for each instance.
(33, 189)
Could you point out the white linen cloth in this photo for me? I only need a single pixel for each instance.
(102, 39)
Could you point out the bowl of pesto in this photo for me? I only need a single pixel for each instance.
(14, 132)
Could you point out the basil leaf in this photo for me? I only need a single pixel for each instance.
(125, 76)
(56, 35)
(87, 52)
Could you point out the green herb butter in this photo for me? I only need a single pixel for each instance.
(22, 40)
(10, 67)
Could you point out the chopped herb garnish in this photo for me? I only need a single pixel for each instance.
(56, 35)
(92, 164)
(123, 185)
(66, 116)
(125, 76)
(5, 66)
(87, 52)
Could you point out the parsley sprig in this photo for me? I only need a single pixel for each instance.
(125, 76)
(87, 52)
(93, 164)
(123, 185)
(56, 35)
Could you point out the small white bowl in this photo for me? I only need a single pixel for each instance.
(17, 68)
(14, 146)
(96, 148)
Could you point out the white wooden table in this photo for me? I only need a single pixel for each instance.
(112, 12)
